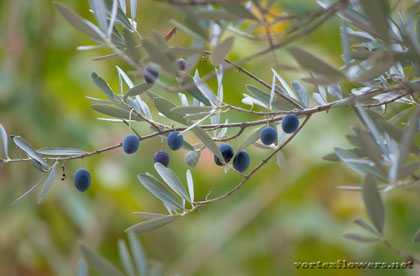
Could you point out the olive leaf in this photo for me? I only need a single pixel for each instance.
(60, 151)
(48, 182)
(150, 225)
(126, 258)
(138, 254)
(360, 238)
(4, 139)
(172, 180)
(373, 203)
(100, 264)
(220, 52)
(377, 11)
(103, 85)
(207, 141)
(24, 146)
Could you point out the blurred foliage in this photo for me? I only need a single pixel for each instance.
(281, 216)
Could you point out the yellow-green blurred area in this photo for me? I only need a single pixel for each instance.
(281, 216)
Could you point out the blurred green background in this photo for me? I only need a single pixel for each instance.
(283, 215)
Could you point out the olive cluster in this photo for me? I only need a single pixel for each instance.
(175, 140)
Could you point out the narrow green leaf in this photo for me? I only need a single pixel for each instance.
(78, 22)
(101, 265)
(126, 258)
(100, 10)
(172, 180)
(48, 182)
(4, 139)
(360, 238)
(366, 226)
(316, 65)
(60, 151)
(251, 139)
(377, 11)
(156, 189)
(190, 182)
(417, 236)
(373, 203)
(150, 225)
(137, 90)
(116, 112)
(24, 146)
(138, 254)
(103, 85)
(220, 52)
(164, 106)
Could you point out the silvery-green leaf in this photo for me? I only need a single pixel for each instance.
(204, 89)
(373, 203)
(301, 92)
(114, 12)
(133, 8)
(370, 148)
(220, 52)
(138, 254)
(373, 130)
(150, 225)
(316, 65)
(126, 258)
(171, 179)
(164, 106)
(251, 139)
(23, 145)
(358, 164)
(100, 10)
(101, 83)
(377, 11)
(366, 226)
(48, 182)
(191, 109)
(60, 151)
(78, 22)
(360, 238)
(376, 65)
(148, 215)
(284, 85)
(156, 189)
(345, 42)
(4, 140)
(115, 111)
(100, 264)
(190, 182)
(137, 90)
(207, 141)
(83, 270)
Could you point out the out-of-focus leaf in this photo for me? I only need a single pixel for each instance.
(416, 237)
(373, 203)
(358, 164)
(101, 265)
(101, 83)
(4, 140)
(114, 12)
(30, 190)
(190, 182)
(373, 130)
(207, 141)
(156, 189)
(331, 157)
(83, 270)
(133, 8)
(115, 111)
(366, 226)
(137, 90)
(316, 65)
(48, 182)
(78, 22)
(126, 258)
(197, 34)
(377, 64)
(377, 11)
(360, 238)
(345, 42)
(23, 145)
(60, 151)
(220, 52)
(301, 92)
(370, 148)
(138, 254)
(148, 215)
(172, 180)
(100, 10)
(150, 225)
(263, 99)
